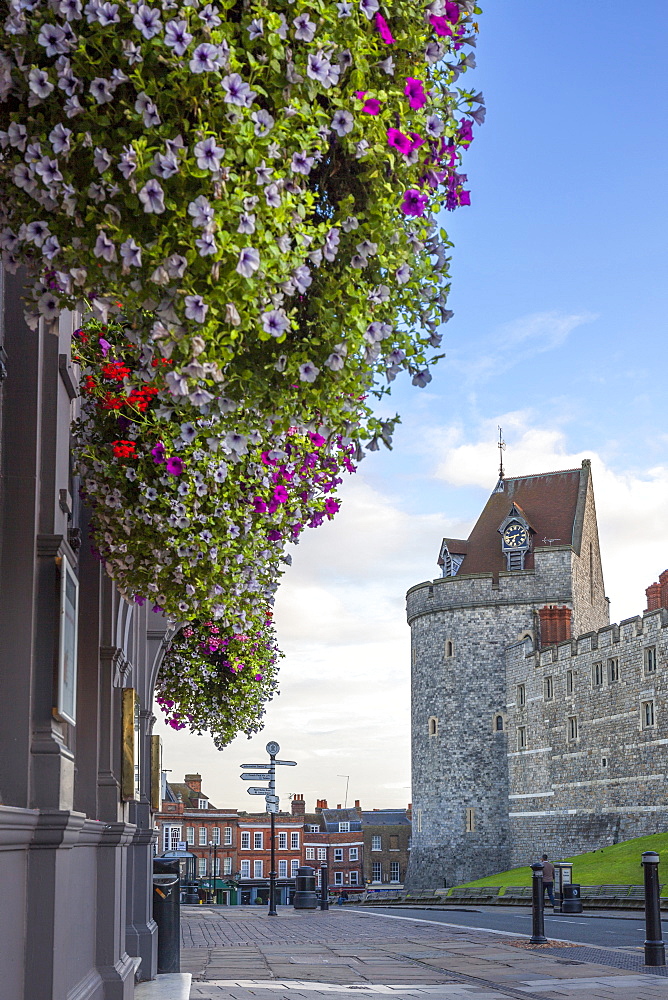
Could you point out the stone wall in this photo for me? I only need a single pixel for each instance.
(572, 790)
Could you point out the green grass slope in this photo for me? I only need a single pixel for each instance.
(618, 864)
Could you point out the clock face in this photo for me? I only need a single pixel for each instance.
(515, 536)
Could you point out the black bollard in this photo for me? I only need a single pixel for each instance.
(324, 887)
(655, 952)
(537, 915)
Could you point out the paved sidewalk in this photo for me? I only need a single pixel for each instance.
(239, 953)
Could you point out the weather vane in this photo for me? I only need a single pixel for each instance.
(502, 448)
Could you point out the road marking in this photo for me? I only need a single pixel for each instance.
(462, 927)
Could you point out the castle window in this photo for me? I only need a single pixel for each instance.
(498, 723)
(597, 675)
(449, 649)
(433, 726)
(470, 820)
(647, 714)
(572, 728)
(650, 660)
(521, 737)
(521, 695)
(569, 682)
(418, 821)
(613, 670)
(604, 761)
(548, 688)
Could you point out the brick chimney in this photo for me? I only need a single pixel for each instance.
(320, 805)
(555, 624)
(657, 593)
(194, 781)
(298, 805)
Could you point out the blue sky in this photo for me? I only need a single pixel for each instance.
(560, 297)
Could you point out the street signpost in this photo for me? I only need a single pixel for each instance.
(264, 772)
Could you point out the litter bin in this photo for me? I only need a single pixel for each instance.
(167, 914)
(189, 892)
(571, 899)
(305, 897)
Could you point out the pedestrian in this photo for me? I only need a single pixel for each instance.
(548, 879)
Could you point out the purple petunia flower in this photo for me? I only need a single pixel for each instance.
(196, 308)
(275, 322)
(104, 247)
(304, 28)
(308, 372)
(262, 122)
(370, 106)
(158, 452)
(342, 122)
(399, 141)
(152, 197)
(177, 36)
(248, 263)
(201, 212)
(147, 21)
(205, 59)
(414, 202)
(237, 91)
(208, 154)
(174, 466)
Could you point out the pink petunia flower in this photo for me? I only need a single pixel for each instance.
(440, 25)
(414, 91)
(158, 452)
(174, 466)
(414, 202)
(384, 30)
(371, 105)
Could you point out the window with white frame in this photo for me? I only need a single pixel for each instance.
(245, 868)
(353, 854)
(650, 660)
(521, 737)
(257, 869)
(294, 865)
(338, 878)
(245, 841)
(202, 841)
(283, 869)
(647, 714)
(201, 867)
(354, 878)
(227, 836)
(202, 804)
(572, 728)
(258, 840)
(310, 853)
(344, 827)
(376, 843)
(338, 854)
(282, 841)
(394, 871)
(376, 871)
(294, 841)
(171, 837)
(190, 835)
(216, 867)
(216, 835)
(312, 828)
(227, 866)
(322, 854)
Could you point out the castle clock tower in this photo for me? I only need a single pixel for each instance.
(530, 568)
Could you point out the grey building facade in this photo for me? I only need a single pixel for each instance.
(515, 748)
(76, 829)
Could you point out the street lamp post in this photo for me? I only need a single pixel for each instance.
(212, 844)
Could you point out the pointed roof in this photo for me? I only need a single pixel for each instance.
(553, 505)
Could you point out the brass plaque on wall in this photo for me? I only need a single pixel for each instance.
(129, 747)
(156, 773)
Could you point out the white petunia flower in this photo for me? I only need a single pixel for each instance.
(127, 164)
(165, 165)
(101, 159)
(248, 263)
(369, 8)
(402, 274)
(131, 253)
(206, 244)
(308, 372)
(177, 36)
(39, 83)
(102, 90)
(37, 232)
(73, 107)
(104, 247)
(272, 196)
(255, 29)
(70, 9)
(50, 247)
(196, 308)
(59, 137)
(301, 163)
(147, 21)
(342, 122)
(17, 135)
(208, 154)
(152, 197)
(246, 223)
(201, 211)
(47, 305)
(302, 278)
(209, 15)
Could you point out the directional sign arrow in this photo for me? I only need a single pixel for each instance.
(290, 763)
(272, 798)
(256, 777)
(257, 766)
(258, 791)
